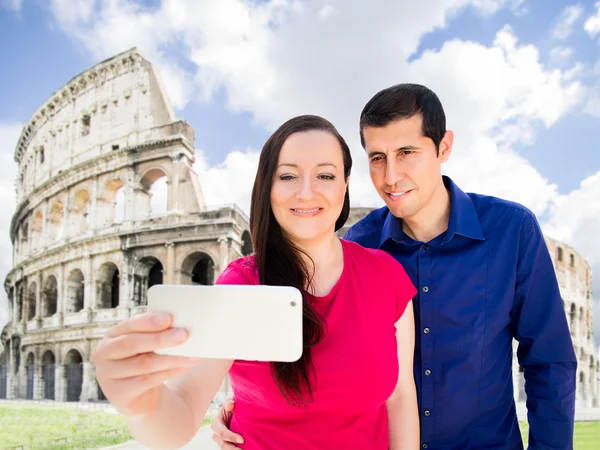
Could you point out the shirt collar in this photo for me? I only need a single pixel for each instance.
(463, 219)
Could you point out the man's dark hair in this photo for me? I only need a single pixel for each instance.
(404, 101)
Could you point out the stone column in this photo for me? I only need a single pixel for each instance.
(130, 210)
(173, 183)
(223, 255)
(44, 233)
(89, 293)
(38, 300)
(88, 374)
(170, 263)
(60, 385)
(60, 295)
(15, 306)
(22, 376)
(38, 382)
(93, 204)
(66, 216)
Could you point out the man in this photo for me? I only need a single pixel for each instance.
(484, 277)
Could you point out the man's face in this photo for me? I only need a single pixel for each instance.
(404, 166)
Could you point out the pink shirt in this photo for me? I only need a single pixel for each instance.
(356, 364)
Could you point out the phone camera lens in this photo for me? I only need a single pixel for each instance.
(293, 303)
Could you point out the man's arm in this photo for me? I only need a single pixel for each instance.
(545, 349)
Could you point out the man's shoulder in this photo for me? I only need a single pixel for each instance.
(367, 230)
(497, 210)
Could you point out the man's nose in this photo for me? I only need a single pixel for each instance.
(394, 172)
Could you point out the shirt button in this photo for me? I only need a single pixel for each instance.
(427, 372)
(427, 413)
(426, 247)
(424, 446)
(426, 330)
(425, 288)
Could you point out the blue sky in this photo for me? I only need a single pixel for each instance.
(520, 81)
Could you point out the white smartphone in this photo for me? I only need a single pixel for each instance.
(251, 323)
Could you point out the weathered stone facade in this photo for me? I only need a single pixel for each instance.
(575, 281)
(82, 260)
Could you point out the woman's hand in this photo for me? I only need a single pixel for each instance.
(130, 374)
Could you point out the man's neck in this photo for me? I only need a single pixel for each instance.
(433, 219)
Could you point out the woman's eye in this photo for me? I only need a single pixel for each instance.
(327, 177)
(286, 177)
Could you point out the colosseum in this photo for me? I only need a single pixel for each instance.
(89, 239)
(90, 236)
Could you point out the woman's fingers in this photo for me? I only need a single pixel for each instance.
(144, 363)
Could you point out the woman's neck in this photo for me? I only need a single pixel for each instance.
(326, 256)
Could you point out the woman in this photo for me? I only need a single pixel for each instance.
(355, 374)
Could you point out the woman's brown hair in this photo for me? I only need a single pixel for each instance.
(279, 262)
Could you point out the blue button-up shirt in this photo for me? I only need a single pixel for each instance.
(487, 279)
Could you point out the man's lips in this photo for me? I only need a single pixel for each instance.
(397, 195)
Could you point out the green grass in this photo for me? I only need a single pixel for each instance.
(587, 435)
(55, 427)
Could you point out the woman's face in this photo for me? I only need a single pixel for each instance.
(309, 186)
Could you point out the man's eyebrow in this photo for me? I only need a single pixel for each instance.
(399, 149)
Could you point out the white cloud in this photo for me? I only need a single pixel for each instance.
(565, 22)
(574, 220)
(592, 24)
(11, 5)
(118, 25)
(230, 181)
(560, 56)
(9, 133)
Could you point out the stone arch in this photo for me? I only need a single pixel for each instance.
(521, 396)
(19, 302)
(111, 205)
(24, 238)
(30, 374)
(31, 301)
(50, 297)
(573, 319)
(80, 212)
(55, 219)
(36, 228)
(155, 192)
(108, 286)
(16, 353)
(198, 268)
(73, 374)
(75, 292)
(582, 387)
(246, 244)
(149, 271)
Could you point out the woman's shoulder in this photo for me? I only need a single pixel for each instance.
(240, 271)
(370, 255)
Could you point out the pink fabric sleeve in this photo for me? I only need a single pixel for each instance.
(241, 271)
(406, 290)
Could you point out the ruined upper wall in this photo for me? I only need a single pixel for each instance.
(114, 104)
